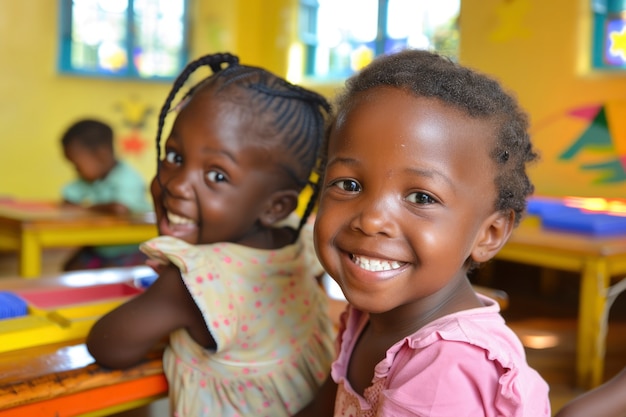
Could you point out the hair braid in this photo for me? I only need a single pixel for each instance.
(301, 125)
(315, 186)
(214, 61)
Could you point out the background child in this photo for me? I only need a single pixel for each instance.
(424, 179)
(104, 184)
(237, 295)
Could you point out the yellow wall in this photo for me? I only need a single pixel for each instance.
(38, 103)
(539, 49)
(536, 48)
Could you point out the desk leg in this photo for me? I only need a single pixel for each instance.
(30, 255)
(591, 343)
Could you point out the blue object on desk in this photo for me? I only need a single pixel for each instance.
(554, 214)
(11, 305)
(575, 220)
(145, 281)
(537, 206)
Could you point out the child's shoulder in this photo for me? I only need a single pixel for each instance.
(123, 171)
(169, 249)
(469, 353)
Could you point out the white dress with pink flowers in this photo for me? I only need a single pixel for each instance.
(268, 315)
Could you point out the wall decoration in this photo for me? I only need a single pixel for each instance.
(605, 135)
(135, 113)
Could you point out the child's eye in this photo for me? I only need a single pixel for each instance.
(216, 176)
(421, 198)
(173, 158)
(350, 186)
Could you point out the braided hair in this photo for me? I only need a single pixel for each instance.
(297, 116)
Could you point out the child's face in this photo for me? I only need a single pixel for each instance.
(215, 178)
(407, 195)
(90, 164)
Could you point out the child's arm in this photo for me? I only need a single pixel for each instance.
(607, 400)
(324, 402)
(125, 335)
(114, 208)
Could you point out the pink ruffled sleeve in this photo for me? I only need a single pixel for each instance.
(457, 379)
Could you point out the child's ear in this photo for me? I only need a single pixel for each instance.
(280, 205)
(494, 234)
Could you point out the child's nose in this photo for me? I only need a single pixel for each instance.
(180, 185)
(376, 216)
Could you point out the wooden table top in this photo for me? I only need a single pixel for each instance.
(48, 371)
(52, 213)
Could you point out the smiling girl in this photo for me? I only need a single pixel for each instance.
(424, 179)
(237, 294)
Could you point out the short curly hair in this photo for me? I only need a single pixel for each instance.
(428, 74)
(89, 133)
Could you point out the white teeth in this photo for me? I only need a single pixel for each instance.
(371, 264)
(176, 219)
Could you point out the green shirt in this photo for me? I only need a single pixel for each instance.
(123, 185)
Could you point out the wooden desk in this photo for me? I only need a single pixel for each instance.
(61, 379)
(29, 228)
(597, 260)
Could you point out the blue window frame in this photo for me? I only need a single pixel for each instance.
(342, 36)
(145, 39)
(609, 34)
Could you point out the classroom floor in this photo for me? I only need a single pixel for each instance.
(534, 309)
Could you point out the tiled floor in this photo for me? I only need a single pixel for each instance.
(533, 310)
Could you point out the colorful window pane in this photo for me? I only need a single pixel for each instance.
(123, 38)
(339, 41)
(609, 34)
(615, 44)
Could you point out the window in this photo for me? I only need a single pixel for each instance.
(609, 34)
(342, 36)
(123, 38)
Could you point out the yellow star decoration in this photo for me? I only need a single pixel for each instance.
(511, 14)
(134, 111)
(618, 43)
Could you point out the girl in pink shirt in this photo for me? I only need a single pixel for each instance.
(424, 179)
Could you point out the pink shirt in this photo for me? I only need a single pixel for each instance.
(464, 364)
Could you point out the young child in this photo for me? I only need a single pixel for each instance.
(425, 177)
(104, 184)
(607, 400)
(249, 333)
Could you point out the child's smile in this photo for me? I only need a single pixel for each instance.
(178, 225)
(374, 264)
(373, 270)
